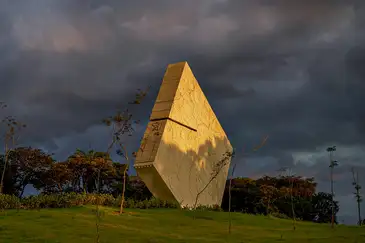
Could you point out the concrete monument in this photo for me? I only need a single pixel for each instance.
(183, 143)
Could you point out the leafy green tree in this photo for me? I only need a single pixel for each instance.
(89, 168)
(28, 166)
(325, 207)
(56, 180)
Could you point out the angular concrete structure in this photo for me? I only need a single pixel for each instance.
(183, 143)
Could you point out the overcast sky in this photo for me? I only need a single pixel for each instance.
(293, 70)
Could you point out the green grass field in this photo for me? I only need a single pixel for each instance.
(162, 225)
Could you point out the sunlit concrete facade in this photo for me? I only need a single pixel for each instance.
(183, 142)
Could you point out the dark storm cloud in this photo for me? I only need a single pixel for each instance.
(292, 70)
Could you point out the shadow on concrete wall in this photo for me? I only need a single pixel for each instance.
(179, 173)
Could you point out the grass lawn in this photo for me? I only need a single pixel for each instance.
(162, 225)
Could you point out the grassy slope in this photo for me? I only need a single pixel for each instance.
(161, 225)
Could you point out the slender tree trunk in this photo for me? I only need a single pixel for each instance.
(292, 202)
(97, 209)
(359, 211)
(229, 205)
(84, 184)
(22, 191)
(4, 169)
(332, 193)
(199, 193)
(230, 199)
(124, 187)
(358, 196)
(98, 182)
(59, 187)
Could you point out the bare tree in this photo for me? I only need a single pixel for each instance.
(332, 165)
(10, 140)
(288, 172)
(121, 124)
(230, 197)
(357, 187)
(254, 149)
(217, 168)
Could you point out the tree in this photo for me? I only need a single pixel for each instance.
(325, 207)
(333, 163)
(273, 195)
(245, 196)
(230, 196)
(101, 165)
(358, 198)
(256, 148)
(30, 164)
(88, 168)
(268, 196)
(78, 165)
(290, 175)
(10, 139)
(112, 180)
(217, 168)
(56, 180)
(138, 190)
(9, 184)
(362, 222)
(123, 123)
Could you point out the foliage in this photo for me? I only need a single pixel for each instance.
(30, 164)
(76, 182)
(271, 195)
(9, 201)
(67, 200)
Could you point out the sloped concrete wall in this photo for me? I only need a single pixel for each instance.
(183, 142)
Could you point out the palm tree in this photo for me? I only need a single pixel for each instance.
(357, 187)
(333, 163)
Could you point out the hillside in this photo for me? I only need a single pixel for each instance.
(161, 225)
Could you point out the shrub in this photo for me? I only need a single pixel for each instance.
(9, 202)
(147, 203)
(216, 208)
(66, 200)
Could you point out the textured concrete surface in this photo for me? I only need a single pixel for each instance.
(183, 143)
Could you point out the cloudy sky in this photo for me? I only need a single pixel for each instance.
(292, 70)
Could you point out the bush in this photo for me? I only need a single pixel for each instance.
(145, 204)
(66, 200)
(9, 202)
(216, 208)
